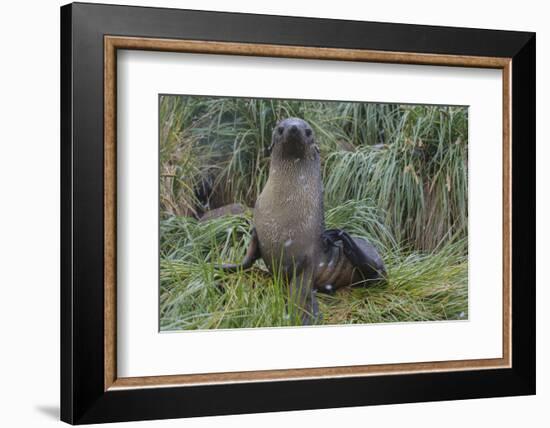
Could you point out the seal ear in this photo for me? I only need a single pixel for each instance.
(314, 143)
(277, 129)
(270, 148)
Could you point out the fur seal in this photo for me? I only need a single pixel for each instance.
(289, 226)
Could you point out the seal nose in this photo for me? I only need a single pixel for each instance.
(293, 129)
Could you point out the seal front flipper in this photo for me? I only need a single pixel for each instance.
(361, 253)
(252, 254)
(330, 237)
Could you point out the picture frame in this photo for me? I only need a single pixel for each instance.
(91, 35)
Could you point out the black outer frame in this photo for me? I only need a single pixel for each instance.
(83, 399)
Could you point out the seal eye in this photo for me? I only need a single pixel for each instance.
(280, 130)
(308, 132)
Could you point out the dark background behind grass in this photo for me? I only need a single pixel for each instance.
(394, 174)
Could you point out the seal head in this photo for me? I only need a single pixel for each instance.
(293, 138)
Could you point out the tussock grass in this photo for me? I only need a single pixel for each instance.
(421, 286)
(393, 174)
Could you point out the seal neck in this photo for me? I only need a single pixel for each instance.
(296, 172)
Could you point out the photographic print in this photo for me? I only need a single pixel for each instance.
(281, 212)
(340, 185)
